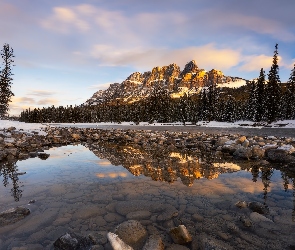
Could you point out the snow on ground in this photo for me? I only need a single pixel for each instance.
(28, 127)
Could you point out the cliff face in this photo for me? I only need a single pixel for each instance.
(139, 85)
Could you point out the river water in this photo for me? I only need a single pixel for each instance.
(82, 189)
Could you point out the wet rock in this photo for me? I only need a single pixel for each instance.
(117, 243)
(98, 237)
(132, 233)
(279, 155)
(242, 153)
(258, 207)
(230, 149)
(13, 215)
(180, 235)
(177, 247)
(241, 204)
(138, 215)
(197, 217)
(72, 241)
(43, 156)
(256, 217)
(154, 242)
(246, 222)
(210, 243)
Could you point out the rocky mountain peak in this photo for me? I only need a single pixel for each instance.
(139, 85)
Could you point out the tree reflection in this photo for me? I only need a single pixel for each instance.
(9, 172)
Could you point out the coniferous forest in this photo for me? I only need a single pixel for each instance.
(265, 99)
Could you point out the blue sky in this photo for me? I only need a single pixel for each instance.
(66, 50)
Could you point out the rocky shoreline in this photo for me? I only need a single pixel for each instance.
(22, 145)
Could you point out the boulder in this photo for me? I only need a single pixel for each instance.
(13, 215)
(243, 153)
(132, 233)
(256, 217)
(280, 156)
(241, 204)
(258, 207)
(72, 241)
(257, 152)
(180, 235)
(117, 243)
(154, 242)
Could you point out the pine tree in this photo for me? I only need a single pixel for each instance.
(260, 97)
(290, 97)
(273, 90)
(6, 80)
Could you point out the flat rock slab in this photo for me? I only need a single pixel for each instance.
(165, 211)
(13, 215)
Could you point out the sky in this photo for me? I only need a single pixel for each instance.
(66, 50)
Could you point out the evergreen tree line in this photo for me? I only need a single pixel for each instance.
(260, 101)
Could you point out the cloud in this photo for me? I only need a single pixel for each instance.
(41, 93)
(207, 56)
(64, 20)
(256, 62)
(48, 101)
(100, 86)
(28, 100)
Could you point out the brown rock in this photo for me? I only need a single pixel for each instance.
(180, 235)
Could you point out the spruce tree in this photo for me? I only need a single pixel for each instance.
(273, 90)
(6, 80)
(260, 97)
(290, 97)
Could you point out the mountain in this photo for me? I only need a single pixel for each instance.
(139, 85)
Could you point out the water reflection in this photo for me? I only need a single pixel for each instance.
(160, 164)
(10, 173)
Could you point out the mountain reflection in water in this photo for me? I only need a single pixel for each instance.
(162, 164)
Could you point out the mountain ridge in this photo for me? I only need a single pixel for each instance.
(138, 85)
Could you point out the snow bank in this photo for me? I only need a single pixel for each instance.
(26, 127)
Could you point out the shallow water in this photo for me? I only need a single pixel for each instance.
(81, 190)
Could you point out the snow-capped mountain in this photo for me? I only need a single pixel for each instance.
(139, 85)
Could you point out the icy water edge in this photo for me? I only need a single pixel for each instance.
(79, 189)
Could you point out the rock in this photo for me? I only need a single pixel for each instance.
(197, 217)
(13, 215)
(43, 156)
(132, 233)
(154, 242)
(288, 148)
(242, 153)
(241, 204)
(246, 143)
(176, 247)
(230, 149)
(279, 155)
(256, 217)
(241, 139)
(246, 222)
(76, 136)
(117, 243)
(210, 243)
(72, 241)
(98, 237)
(138, 215)
(258, 207)
(180, 235)
(257, 152)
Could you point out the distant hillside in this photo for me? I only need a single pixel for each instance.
(190, 79)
